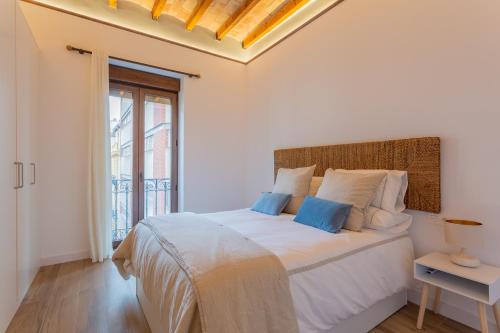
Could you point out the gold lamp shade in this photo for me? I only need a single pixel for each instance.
(465, 234)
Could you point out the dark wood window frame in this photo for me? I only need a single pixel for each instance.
(140, 84)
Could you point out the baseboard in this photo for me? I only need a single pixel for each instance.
(65, 258)
(465, 316)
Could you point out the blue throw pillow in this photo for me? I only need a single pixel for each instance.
(323, 214)
(271, 203)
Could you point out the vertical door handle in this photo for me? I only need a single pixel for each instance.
(33, 175)
(141, 177)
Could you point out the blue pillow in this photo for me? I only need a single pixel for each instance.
(271, 203)
(323, 214)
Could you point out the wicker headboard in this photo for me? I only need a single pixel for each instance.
(419, 156)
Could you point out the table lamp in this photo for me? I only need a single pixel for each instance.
(467, 235)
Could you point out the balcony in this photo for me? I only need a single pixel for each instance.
(156, 202)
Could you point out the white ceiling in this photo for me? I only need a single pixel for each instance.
(135, 17)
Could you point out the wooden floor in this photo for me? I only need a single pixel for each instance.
(85, 297)
(404, 321)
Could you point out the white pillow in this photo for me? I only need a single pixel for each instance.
(377, 199)
(397, 229)
(395, 190)
(314, 186)
(379, 219)
(391, 192)
(295, 182)
(357, 189)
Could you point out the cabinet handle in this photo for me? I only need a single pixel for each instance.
(18, 175)
(21, 165)
(16, 164)
(33, 175)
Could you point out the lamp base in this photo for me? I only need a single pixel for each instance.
(462, 259)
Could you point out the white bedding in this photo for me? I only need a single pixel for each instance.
(332, 276)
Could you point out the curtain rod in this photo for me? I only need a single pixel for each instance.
(82, 51)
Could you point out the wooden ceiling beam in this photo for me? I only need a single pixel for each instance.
(197, 14)
(113, 4)
(158, 9)
(271, 23)
(236, 18)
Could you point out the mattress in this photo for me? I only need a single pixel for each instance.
(332, 276)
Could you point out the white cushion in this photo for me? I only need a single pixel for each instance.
(379, 219)
(314, 186)
(395, 190)
(295, 182)
(391, 192)
(357, 189)
(379, 194)
(402, 227)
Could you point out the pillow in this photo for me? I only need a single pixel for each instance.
(400, 228)
(379, 194)
(391, 192)
(395, 190)
(356, 189)
(379, 219)
(323, 214)
(271, 203)
(295, 182)
(383, 220)
(314, 186)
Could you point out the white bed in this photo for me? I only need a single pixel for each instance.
(346, 282)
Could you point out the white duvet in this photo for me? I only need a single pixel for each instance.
(332, 276)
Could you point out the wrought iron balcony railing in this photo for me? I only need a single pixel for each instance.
(156, 202)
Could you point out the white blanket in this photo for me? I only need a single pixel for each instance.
(332, 276)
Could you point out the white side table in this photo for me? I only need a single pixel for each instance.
(481, 284)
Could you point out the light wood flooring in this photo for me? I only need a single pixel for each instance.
(85, 297)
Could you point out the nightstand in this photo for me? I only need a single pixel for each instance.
(481, 284)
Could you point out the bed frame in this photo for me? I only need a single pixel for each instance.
(421, 157)
(360, 323)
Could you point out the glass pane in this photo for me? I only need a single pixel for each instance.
(121, 106)
(157, 155)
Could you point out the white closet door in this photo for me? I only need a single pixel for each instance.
(27, 104)
(8, 285)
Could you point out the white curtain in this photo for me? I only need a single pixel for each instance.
(99, 178)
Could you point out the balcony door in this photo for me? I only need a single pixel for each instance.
(143, 131)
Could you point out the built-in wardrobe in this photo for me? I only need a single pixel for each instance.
(19, 100)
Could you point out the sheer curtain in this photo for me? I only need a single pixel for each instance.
(99, 178)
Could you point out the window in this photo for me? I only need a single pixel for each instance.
(143, 126)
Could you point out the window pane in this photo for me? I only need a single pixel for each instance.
(121, 134)
(157, 155)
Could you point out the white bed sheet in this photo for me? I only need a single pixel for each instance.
(332, 276)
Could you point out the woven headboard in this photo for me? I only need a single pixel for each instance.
(419, 156)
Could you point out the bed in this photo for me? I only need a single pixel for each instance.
(368, 268)
(345, 282)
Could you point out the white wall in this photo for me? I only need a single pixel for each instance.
(374, 70)
(213, 114)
